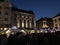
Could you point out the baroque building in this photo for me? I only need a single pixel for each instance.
(11, 16)
(23, 19)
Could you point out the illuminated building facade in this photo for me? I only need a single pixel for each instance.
(56, 20)
(44, 23)
(23, 19)
(11, 16)
(5, 14)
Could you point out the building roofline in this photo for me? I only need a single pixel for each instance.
(44, 18)
(57, 15)
(21, 10)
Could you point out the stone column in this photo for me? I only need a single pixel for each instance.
(26, 23)
(30, 24)
(18, 22)
(22, 23)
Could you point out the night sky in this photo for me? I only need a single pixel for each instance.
(41, 8)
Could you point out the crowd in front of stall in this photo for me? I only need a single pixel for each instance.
(31, 39)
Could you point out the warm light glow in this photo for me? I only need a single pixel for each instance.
(5, 28)
(32, 31)
(22, 23)
(26, 24)
(18, 24)
(1, 28)
(45, 26)
(8, 31)
(30, 24)
(23, 31)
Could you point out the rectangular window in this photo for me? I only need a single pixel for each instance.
(55, 20)
(59, 19)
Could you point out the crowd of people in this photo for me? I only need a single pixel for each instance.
(31, 39)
